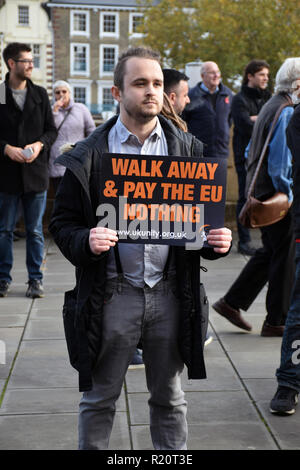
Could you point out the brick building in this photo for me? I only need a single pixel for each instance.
(28, 21)
(88, 37)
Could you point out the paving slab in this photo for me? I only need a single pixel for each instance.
(227, 411)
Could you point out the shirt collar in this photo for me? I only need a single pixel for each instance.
(124, 134)
(204, 87)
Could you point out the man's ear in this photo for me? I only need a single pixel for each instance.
(115, 91)
(172, 97)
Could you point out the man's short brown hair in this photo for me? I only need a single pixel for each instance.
(141, 52)
(13, 51)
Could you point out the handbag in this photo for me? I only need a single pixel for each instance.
(256, 213)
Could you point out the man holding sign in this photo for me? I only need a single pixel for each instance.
(130, 291)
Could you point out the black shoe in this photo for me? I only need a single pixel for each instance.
(4, 288)
(35, 289)
(246, 249)
(284, 402)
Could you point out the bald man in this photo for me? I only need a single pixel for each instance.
(208, 113)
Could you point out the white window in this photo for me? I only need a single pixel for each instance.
(23, 15)
(79, 23)
(135, 20)
(106, 101)
(108, 58)
(36, 50)
(109, 24)
(81, 90)
(79, 93)
(80, 59)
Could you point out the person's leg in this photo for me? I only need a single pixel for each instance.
(163, 366)
(122, 319)
(8, 211)
(251, 280)
(34, 205)
(288, 374)
(282, 270)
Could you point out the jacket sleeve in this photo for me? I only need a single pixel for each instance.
(89, 124)
(69, 226)
(50, 132)
(241, 116)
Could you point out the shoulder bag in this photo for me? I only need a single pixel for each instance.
(256, 213)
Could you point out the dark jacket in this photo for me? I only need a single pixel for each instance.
(210, 125)
(264, 187)
(248, 102)
(293, 141)
(19, 128)
(75, 214)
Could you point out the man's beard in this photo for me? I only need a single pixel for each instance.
(142, 114)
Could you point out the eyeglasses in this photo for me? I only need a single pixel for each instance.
(24, 61)
(57, 92)
(214, 73)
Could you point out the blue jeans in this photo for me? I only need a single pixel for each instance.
(33, 208)
(288, 374)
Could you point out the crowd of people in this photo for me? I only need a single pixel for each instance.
(133, 296)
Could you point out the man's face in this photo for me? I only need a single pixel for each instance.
(211, 76)
(142, 96)
(179, 97)
(22, 67)
(259, 79)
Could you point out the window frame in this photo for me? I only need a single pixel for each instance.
(131, 32)
(28, 15)
(103, 73)
(76, 32)
(74, 72)
(105, 34)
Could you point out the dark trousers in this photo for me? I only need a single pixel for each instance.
(273, 263)
(243, 232)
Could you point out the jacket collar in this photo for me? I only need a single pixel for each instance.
(32, 98)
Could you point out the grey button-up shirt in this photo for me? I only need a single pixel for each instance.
(141, 263)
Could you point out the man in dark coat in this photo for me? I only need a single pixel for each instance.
(128, 292)
(208, 113)
(285, 399)
(244, 110)
(27, 131)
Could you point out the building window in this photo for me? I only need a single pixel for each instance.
(108, 58)
(80, 59)
(109, 25)
(81, 90)
(108, 102)
(23, 15)
(36, 50)
(79, 94)
(80, 23)
(135, 20)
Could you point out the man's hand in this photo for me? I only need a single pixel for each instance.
(36, 147)
(14, 153)
(101, 239)
(221, 239)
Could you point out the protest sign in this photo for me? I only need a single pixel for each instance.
(162, 199)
